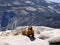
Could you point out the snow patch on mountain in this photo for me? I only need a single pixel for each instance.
(41, 9)
(30, 8)
(29, 2)
(16, 3)
(23, 12)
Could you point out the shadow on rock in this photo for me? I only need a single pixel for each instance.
(32, 38)
(56, 43)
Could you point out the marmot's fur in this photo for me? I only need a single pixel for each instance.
(28, 32)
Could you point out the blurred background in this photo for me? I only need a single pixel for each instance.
(14, 13)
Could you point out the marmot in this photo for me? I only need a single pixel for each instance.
(28, 32)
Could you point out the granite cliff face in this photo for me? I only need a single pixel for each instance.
(29, 12)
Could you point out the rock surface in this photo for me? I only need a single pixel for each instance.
(42, 36)
(9, 38)
(21, 40)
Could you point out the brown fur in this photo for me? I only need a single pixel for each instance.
(28, 32)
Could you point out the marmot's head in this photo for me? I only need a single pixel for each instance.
(30, 28)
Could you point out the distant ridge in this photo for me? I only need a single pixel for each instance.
(32, 12)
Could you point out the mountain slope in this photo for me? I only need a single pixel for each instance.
(32, 12)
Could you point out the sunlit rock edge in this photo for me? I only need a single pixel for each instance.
(44, 36)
